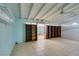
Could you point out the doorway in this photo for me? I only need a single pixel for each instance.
(41, 31)
(31, 32)
(53, 32)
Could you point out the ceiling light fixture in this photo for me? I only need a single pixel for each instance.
(74, 23)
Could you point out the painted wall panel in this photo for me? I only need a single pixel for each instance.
(11, 33)
(7, 41)
(20, 30)
(70, 32)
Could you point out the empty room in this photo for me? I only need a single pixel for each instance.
(39, 29)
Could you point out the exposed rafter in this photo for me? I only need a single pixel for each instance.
(49, 10)
(59, 8)
(31, 6)
(39, 10)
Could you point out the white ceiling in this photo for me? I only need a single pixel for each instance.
(49, 12)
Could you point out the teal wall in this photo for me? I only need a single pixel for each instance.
(7, 40)
(11, 33)
(20, 30)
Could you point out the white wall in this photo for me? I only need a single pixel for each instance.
(70, 31)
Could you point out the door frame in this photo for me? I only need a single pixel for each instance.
(30, 38)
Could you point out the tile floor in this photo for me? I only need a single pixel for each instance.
(47, 47)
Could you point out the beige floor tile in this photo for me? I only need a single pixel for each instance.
(47, 47)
